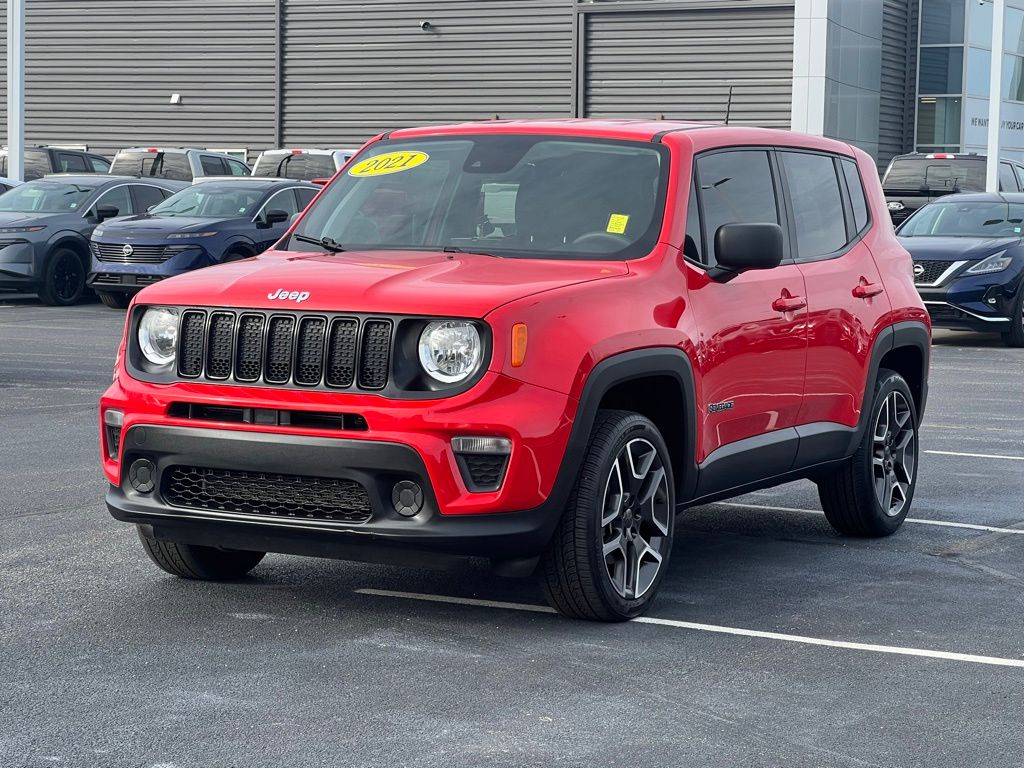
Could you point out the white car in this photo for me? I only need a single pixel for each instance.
(304, 164)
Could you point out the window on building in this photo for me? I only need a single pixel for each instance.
(1013, 78)
(817, 203)
(942, 21)
(941, 70)
(735, 186)
(855, 188)
(938, 121)
(1013, 34)
(978, 66)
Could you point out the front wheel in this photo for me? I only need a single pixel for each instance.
(190, 561)
(611, 548)
(871, 493)
(63, 279)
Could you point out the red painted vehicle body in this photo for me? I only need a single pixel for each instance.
(748, 367)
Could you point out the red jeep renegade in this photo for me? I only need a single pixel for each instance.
(534, 342)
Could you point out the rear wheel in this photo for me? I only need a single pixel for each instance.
(63, 279)
(870, 495)
(115, 300)
(1015, 336)
(190, 561)
(611, 549)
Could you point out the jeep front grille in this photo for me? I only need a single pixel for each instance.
(284, 349)
(266, 494)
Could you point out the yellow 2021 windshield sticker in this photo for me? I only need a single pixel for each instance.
(389, 162)
(617, 223)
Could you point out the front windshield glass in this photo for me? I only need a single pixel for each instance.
(500, 195)
(46, 197)
(964, 219)
(211, 201)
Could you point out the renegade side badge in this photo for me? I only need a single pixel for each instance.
(719, 407)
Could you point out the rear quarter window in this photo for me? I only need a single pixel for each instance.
(855, 188)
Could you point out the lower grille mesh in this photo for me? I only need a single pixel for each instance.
(266, 493)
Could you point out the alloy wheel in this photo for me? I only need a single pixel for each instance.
(635, 519)
(894, 456)
(67, 276)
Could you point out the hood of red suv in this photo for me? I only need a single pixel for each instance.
(394, 282)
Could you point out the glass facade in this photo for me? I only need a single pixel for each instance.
(953, 77)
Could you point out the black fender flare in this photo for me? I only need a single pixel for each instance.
(910, 333)
(618, 369)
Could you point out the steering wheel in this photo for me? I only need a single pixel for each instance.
(598, 237)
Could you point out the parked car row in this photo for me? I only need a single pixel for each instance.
(179, 163)
(118, 234)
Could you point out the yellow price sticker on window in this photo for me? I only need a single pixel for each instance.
(390, 162)
(617, 223)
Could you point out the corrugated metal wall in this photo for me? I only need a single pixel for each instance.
(354, 68)
(101, 72)
(899, 52)
(681, 63)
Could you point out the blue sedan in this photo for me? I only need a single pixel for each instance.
(968, 252)
(213, 221)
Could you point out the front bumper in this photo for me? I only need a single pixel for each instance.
(18, 264)
(976, 303)
(399, 440)
(387, 536)
(132, 277)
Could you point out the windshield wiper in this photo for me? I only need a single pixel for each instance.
(456, 249)
(328, 243)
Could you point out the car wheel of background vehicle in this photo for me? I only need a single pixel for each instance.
(611, 548)
(115, 300)
(190, 561)
(63, 279)
(870, 495)
(235, 254)
(1015, 336)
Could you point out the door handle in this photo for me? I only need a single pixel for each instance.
(789, 303)
(866, 290)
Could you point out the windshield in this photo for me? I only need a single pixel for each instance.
(500, 195)
(211, 201)
(45, 197)
(295, 166)
(935, 175)
(953, 219)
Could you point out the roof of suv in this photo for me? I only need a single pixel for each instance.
(710, 134)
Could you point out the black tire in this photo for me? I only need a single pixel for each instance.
(575, 573)
(1015, 336)
(203, 563)
(114, 300)
(853, 496)
(235, 254)
(63, 278)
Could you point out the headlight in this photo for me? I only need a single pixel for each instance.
(450, 351)
(895, 205)
(12, 230)
(158, 334)
(183, 235)
(997, 262)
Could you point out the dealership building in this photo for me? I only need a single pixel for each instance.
(246, 75)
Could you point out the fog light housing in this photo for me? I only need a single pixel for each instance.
(113, 421)
(142, 475)
(407, 498)
(482, 461)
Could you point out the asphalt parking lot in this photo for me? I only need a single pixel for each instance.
(106, 661)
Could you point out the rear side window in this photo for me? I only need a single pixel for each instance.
(282, 201)
(817, 203)
(212, 166)
(68, 162)
(237, 168)
(858, 202)
(99, 165)
(146, 197)
(118, 197)
(735, 187)
(305, 197)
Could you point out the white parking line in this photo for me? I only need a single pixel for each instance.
(890, 649)
(916, 520)
(977, 455)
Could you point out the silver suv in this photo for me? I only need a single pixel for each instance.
(176, 163)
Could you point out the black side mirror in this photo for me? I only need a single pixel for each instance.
(104, 212)
(740, 247)
(275, 216)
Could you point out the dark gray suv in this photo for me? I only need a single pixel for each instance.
(40, 161)
(45, 227)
